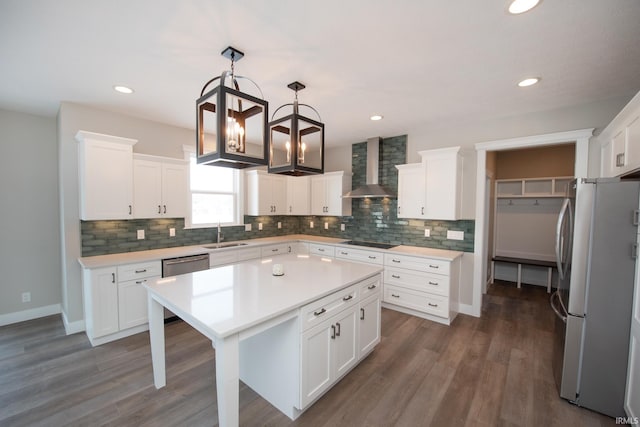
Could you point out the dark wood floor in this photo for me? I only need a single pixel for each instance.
(488, 371)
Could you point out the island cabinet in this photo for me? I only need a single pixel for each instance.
(160, 187)
(423, 287)
(266, 193)
(326, 194)
(105, 176)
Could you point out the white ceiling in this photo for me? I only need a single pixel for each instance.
(417, 62)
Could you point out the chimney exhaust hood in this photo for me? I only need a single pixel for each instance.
(371, 189)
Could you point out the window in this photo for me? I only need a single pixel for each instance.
(214, 195)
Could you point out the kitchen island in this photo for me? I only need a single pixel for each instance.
(288, 337)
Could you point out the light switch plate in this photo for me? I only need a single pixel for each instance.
(310, 224)
(260, 226)
(455, 235)
(427, 232)
(172, 232)
(140, 234)
(247, 227)
(279, 224)
(342, 227)
(326, 225)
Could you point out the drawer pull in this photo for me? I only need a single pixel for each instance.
(395, 260)
(318, 313)
(333, 332)
(274, 250)
(140, 282)
(344, 253)
(144, 270)
(371, 287)
(395, 276)
(113, 277)
(395, 296)
(362, 314)
(338, 329)
(320, 250)
(433, 305)
(347, 298)
(433, 266)
(372, 257)
(159, 210)
(433, 283)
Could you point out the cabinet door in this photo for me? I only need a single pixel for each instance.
(633, 144)
(333, 195)
(411, 191)
(369, 319)
(147, 189)
(106, 175)
(101, 306)
(174, 190)
(442, 185)
(316, 362)
(278, 185)
(298, 195)
(345, 353)
(132, 303)
(318, 195)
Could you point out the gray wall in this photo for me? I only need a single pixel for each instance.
(30, 249)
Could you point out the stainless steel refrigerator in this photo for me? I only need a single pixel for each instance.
(596, 250)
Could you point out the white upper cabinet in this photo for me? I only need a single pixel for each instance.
(105, 176)
(298, 195)
(159, 187)
(620, 142)
(411, 191)
(266, 193)
(326, 194)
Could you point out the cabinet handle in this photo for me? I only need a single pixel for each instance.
(395, 296)
(113, 277)
(422, 210)
(289, 249)
(433, 283)
(274, 250)
(395, 276)
(130, 210)
(333, 332)
(338, 327)
(372, 257)
(320, 250)
(371, 287)
(344, 253)
(395, 260)
(362, 314)
(144, 270)
(347, 298)
(433, 305)
(289, 208)
(398, 210)
(159, 210)
(636, 217)
(165, 208)
(433, 266)
(318, 313)
(140, 282)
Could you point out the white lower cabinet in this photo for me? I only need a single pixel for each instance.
(132, 304)
(369, 319)
(277, 249)
(322, 250)
(100, 301)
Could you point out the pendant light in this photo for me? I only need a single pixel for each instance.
(231, 126)
(296, 143)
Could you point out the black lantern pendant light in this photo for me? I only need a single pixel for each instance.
(231, 126)
(296, 143)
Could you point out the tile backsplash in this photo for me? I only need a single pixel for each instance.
(372, 220)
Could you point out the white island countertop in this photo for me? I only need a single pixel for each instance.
(228, 299)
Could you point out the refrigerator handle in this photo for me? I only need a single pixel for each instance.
(559, 237)
(634, 251)
(561, 316)
(636, 217)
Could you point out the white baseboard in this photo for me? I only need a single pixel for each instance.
(32, 313)
(72, 327)
(467, 309)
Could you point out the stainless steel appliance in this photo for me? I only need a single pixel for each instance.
(182, 265)
(596, 251)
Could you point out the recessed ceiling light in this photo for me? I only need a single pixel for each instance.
(123, 89)
(376, 117)
(528, 82)
(520, 6)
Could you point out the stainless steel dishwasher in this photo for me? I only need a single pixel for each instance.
(182, 265)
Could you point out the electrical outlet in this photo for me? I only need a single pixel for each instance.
(26, 297)
(342, 227)
(172, 232)
(427, 232)
(310, 224)
(247, 227)
(279, 225)
(455, 235)
(326, 225)
(260, 226)
(140, 234)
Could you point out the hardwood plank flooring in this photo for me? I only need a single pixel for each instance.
(488, 371)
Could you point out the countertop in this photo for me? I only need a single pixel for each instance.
(158, 254)
(225, 300)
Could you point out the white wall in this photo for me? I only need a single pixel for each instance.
(30, 249)
(153, 138)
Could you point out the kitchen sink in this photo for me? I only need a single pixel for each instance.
(223, 245)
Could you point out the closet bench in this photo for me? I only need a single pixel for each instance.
(550, 265)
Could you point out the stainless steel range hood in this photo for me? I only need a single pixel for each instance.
(371, 189)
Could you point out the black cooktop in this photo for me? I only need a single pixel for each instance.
(370, 244)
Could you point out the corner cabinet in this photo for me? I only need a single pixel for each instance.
(298, 195)
(431, 189)
(266, 193)
(326, 194)
(159, 187)
(105, 166)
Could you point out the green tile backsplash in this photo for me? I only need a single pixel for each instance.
(372, 220)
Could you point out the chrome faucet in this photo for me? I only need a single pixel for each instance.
(220, 235)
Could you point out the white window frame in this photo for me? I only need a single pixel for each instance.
(189, 153)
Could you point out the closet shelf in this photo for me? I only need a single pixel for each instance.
(532, 188)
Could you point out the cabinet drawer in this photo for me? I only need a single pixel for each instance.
(248, 253)
(222, 258)
(139, 270)
(370, 286)
(428, 265)
(317, 311)
(359, 255)
(323, 250)
(433, 283)
(416, 300)
(272, 250)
